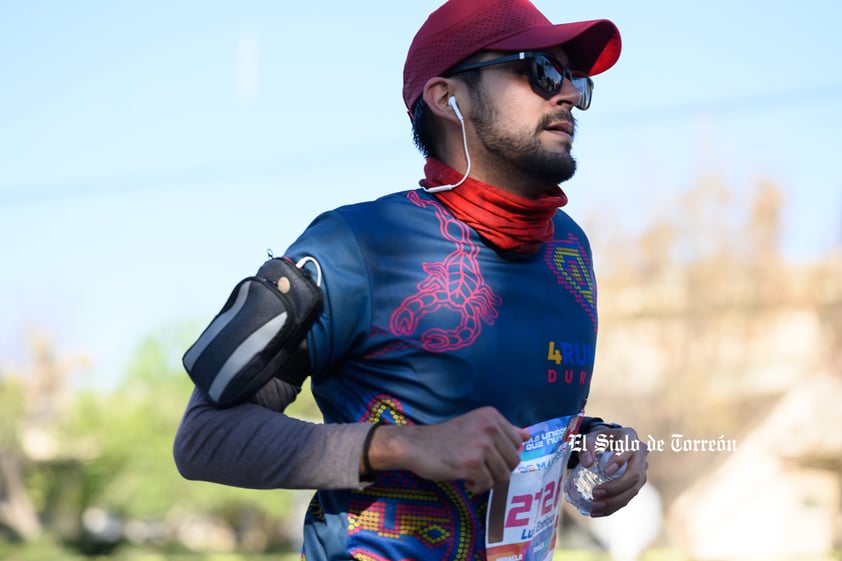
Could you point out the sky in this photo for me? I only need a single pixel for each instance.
(152, 152)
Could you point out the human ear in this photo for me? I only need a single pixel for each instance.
(439, 95)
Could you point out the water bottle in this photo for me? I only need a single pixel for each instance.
(578, 490)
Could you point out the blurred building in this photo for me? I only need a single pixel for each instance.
(779, 493)
(706, 332)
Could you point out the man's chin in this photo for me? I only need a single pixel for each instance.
(562, 168)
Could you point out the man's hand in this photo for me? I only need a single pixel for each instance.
(481, 447)
(615, 494)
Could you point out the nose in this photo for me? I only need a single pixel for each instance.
(568, 94)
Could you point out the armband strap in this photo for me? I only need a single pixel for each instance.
(258, 334)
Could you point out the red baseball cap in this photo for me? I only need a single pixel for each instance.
(460, 28)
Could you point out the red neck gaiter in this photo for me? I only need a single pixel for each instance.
(507, 220)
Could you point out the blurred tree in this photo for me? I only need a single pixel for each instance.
(31, 406)
(17, 514)
(127, 438)
(94, 467)
(679, 320)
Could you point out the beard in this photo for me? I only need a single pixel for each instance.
(524, 151)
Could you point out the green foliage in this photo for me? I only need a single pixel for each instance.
(37, 551)
(130, 434)
(48, 551)
(112, 451)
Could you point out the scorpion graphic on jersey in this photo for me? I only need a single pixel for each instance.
(455, 284)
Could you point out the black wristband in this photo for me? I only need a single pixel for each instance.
(369, 471)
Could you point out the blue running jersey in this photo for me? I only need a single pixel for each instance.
(423, 322)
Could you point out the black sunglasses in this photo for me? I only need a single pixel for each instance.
(545, 72)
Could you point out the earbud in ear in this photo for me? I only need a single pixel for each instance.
(452, 102)
(453, 105)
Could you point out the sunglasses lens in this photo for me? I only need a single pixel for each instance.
(549, 75)
(546, 75)
(585, 86)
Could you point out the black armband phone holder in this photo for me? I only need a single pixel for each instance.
(257, 333)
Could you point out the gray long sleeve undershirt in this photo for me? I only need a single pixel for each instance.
(255, 445)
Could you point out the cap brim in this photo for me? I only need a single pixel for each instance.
(591, 46)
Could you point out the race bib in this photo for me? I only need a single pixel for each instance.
(523, 514)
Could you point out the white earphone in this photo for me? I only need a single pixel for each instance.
(452, 102)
